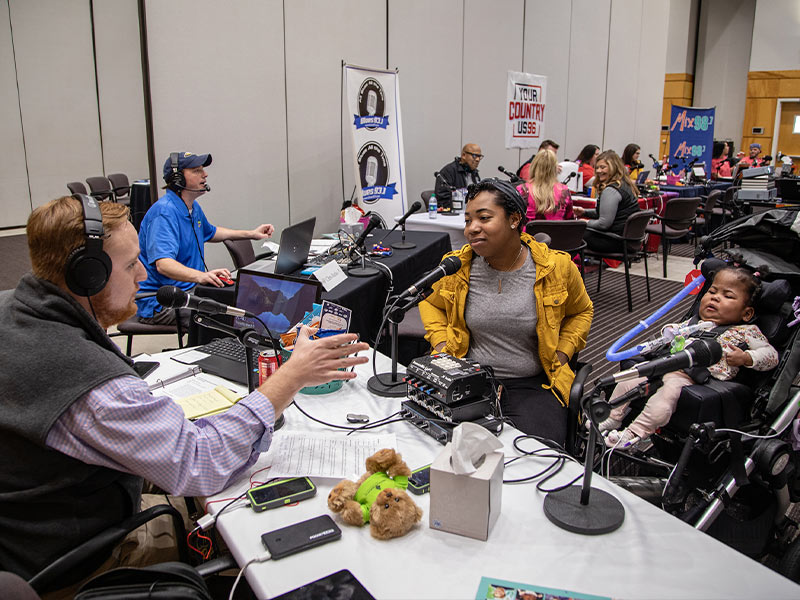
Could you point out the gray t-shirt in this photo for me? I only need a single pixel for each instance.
(503, 325)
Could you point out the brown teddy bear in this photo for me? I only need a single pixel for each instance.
(378, 497)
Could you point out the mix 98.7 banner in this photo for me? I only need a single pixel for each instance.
(691, 137)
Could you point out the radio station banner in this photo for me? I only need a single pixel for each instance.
(373, 100)
(691, 136)
(525, 109)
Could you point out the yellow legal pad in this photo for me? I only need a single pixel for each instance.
(208, 403)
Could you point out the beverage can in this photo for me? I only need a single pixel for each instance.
(267, 365)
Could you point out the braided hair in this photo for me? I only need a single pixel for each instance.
(750, 280)
(505, 195)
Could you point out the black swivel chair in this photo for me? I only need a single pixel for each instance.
(632, 242)
(121, 187)
(564, 235)
(100, 188)
(677, 220)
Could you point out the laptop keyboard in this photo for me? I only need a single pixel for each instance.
(322, 259)
(229, 348)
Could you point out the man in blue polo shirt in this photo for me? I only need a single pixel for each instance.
(173, 234)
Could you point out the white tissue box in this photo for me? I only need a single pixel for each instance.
(466, 504)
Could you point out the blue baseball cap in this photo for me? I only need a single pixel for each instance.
(186, 160)
(755, 145)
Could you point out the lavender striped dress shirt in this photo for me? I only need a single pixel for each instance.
(121, 425)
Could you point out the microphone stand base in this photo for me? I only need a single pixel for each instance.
(403, 245)
(379, 388)
(362, 271)
(603, 514)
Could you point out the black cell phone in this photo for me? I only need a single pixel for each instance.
(420, 481)
(301, 536)
(336, 586)
(143, 368)
(280, 493)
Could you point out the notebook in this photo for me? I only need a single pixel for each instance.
(278, 300)
(294, 246)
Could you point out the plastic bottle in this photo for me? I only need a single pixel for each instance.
(433, 207)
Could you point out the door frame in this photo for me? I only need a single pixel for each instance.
(777, 124)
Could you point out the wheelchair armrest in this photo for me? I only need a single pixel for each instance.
(725, 403)
(59, 569)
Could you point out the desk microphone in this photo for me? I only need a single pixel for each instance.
(448, 266)
(569, 177)
(374, 221)
(170, 296)
(700, 353)
(439, 176)
(513, 176)
(402, 220)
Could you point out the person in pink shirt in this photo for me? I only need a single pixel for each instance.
(720, 163)
(546, 197)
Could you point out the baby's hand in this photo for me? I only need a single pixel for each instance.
(737, 357)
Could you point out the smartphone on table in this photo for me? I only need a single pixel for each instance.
(281, 493)
(420, 481)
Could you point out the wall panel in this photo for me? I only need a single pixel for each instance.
(14, 196)
(650, 77)
(546, 52)
(588, 62)
(119, 69)
(425, 43)
(317, 41)
(55, 70)
(218, 87)
(492, 47)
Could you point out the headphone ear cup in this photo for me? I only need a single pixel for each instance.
(87, 271)
(177, 179)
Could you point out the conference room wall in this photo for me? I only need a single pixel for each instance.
(425, 43)
(776, 36)
(57, 94)
(725, 35)
(119, 83)
(681, 35)
(319, 36)
(14, 196)
(217, 81)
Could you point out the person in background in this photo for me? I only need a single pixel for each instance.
(616, 201)
(753, 159)
(630, 158)
(586, 161)
(524, 171)
(457, 175)
(720, 163)
(546, 198)
(83, 440)
(173, 234)
(514, 305)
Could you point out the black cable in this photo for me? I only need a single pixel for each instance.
(552, 450)
(373, 425)
(196, 239)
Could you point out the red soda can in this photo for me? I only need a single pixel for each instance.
(267, 365)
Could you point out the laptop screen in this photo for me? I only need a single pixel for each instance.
(278, 300)
(294, 247)
(642, 177)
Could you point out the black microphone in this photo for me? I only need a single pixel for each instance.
(174, 297)
(700, 353)
(448, 266)
(570, 176)
(205, 188)
(411, 210)
(513, 176)
(438, 175)
(374, 221)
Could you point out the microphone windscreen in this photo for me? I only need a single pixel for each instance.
(706, 352)
(170, 296)
(450, 265)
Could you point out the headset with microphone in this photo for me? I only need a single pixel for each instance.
(88, 266)
(176, 178)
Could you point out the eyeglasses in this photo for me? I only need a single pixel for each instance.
(475, 156)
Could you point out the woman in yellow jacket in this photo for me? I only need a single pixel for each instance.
(514, 305)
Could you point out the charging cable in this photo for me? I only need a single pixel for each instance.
(258, 559)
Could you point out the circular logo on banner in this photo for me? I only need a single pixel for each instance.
(371, 102)
(373, 168)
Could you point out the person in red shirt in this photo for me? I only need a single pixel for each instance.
(586, 160)
(720, 163)
(753, 159)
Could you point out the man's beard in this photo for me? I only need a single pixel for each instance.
(106, 314)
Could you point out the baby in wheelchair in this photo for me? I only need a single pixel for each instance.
(729, 305)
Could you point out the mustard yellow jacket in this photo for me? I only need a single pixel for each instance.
(563, 307)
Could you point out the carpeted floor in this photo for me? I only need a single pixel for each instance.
(16, 262)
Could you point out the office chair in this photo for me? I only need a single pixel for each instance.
(632, 242)
(121, 187)
(426, 197)
(677, 220)
(564, 235)
(76, 187)
(100, 188)
(242, 253)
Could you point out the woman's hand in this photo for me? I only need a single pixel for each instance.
(578, 211)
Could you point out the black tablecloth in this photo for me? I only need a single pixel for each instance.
(365, 296)
(140, 201)
(695, 191)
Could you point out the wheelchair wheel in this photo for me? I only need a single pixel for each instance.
(789, 566)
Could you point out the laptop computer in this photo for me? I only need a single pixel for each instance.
(278, 300)
(643, 175)
(294, 246)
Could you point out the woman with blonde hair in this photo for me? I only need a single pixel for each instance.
(616, 201)
(546, 197)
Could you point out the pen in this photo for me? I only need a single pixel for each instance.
(169, 380)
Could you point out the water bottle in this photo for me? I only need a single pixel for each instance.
(433, 207)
